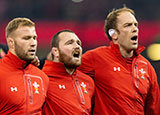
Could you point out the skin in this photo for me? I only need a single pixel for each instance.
(23, 43)
(128, 28)
(69, 45)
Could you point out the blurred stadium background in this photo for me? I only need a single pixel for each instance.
(86, 18)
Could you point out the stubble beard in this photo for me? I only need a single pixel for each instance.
(63, 58)
(20, 52)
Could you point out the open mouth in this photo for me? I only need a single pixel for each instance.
(134, 38)
(76, 54)
(32, 51)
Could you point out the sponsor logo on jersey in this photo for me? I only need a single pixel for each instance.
(62, 86)
(14, 89)
(116, 69)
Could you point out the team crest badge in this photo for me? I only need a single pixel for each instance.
(36, 87)
(84, 87)
(142, 73)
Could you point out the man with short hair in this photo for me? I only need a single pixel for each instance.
(126, 83)
(70, 91)
(22, 85)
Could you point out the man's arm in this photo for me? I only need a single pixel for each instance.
(87, 65)
(152, 105)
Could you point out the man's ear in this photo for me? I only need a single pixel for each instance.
(55, 52)
(113, 33)
(10, 42)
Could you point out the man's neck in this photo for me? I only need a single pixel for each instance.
(26, 64)
(70, 71)
(126, 54)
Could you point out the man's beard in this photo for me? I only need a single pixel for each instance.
(20, 52)
(63, 58)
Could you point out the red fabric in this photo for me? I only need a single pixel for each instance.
(66, 94)
(120, 91)
(22, 90)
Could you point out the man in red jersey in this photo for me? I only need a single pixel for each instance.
(70, 91)
(126, 83)
(22, 85)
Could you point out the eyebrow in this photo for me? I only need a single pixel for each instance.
(69, 41)
(130, 23)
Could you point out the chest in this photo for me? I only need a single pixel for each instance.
(22, 90)
(71, 92)
(113, 73)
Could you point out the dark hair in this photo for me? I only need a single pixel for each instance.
(55, 38)
(111, 20)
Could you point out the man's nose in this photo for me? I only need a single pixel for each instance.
(77, 46)
(135, 29)
(33, 42)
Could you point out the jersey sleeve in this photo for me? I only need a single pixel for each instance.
(152, 106)
(87, 65)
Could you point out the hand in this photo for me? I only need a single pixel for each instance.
(2, 53)
(35, 61)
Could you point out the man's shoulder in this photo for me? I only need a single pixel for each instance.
(98, 50)
(4, 65)
(35, 68)
(5, 68)
(141, 57)
(144, 60)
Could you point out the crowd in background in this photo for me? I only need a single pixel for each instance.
(86, 10)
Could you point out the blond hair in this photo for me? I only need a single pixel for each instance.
(16, 22)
